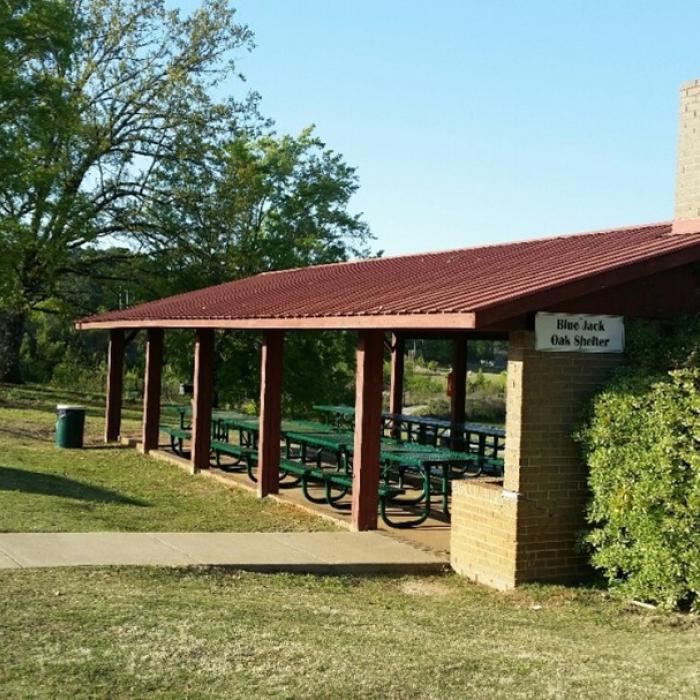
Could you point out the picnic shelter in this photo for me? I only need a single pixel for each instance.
(506, 529)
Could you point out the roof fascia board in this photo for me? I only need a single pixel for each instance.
(457, 321)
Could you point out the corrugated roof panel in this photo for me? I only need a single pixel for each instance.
(454, 281)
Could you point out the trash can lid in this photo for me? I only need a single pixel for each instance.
(69, 407)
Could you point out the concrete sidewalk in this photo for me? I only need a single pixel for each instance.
(312, 552)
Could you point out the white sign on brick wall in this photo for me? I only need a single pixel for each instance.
(579, 333)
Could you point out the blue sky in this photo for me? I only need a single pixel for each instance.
(479, 122)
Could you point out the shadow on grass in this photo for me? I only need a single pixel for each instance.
(40, 433)
(12, 479)
(107, 447)
(44, 398)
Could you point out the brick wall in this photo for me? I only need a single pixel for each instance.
(483, 533)
(542, 501)
(688, 168)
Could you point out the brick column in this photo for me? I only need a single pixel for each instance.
(271, 377)
(151, 388)
(115, 383)
(368, 424)
(687, 209)
(398, 347)
(202, 399)
(526, 529)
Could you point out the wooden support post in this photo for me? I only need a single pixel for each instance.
(151, 388)
(271, 377)
(115, 383)
(368, 424)
(459, 385)
(202, 399)
(396, 390)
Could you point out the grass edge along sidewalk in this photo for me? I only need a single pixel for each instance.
(109, 488)
(172, 633)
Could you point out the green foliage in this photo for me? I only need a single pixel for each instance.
(113, 85)
(421, 387)
(94, 96)
(486, 395)
(71, 372)
(124, 180)
(387, 372)
(485, 407)
(642, 443)
(319, 368)
(423, 383)
(479, 351)
(476, 380)
(250, 204)
(439, 407)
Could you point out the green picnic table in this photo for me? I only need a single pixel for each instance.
(424, 459)
(182, 411)
(248, 428)
(183, 431)
(341, 415)
(446, 464)
(477, 437)
(398, 459)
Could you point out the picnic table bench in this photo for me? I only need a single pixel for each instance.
(319, 439)
(183, 431)
(183, 411)
(342, 482)
(177, 437)
(245, 458)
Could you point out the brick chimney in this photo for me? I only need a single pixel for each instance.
(687, 212)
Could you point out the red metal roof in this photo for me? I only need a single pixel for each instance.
(466, 288)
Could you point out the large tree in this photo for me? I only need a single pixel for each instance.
(248, 203)
(94, 96)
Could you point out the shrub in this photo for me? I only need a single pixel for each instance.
(486, 406)
(73, 373)
(423, 387)
(438, 407)
(476, 381)
(642, 443)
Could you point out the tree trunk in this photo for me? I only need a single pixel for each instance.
(12, 324)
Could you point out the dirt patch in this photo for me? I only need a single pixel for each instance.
(425, 587)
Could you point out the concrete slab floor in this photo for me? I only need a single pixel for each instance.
(433, 535)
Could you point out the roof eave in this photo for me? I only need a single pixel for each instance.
(446, 321)
(484, 317)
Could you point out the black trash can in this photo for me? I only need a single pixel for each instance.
(70, 425)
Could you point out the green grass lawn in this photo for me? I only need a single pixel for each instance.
(106, 487)
(212, 633)
(134, 633)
